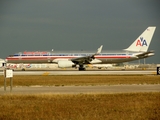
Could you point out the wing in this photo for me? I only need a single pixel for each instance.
(87, 59)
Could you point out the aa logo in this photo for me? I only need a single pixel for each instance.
(141, 42)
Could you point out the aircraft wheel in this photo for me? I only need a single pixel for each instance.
(23, 69)
(82, 69)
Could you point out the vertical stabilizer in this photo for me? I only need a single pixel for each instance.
(142, 43)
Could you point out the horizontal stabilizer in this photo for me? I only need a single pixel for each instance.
(144, 54)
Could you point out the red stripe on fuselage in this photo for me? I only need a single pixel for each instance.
(112, 57)
(58, 57)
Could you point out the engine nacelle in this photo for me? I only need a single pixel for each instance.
(65, 64)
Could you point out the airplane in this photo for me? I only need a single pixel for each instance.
(137, 50)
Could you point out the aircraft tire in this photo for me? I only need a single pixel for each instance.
(23, 69)
(82, 69)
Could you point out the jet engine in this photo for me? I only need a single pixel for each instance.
(65, 64)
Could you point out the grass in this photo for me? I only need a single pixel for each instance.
(81, 80)
(130, 106)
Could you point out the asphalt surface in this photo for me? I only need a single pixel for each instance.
(73, 72)
(81, 89)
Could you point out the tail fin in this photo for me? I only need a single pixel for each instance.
(142, 43)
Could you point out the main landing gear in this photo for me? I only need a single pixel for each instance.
(82, 68)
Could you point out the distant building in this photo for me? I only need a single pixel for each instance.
(158, 65)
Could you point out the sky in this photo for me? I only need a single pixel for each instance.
(68, 25)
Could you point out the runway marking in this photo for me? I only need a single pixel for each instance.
(46, 73)
(154, 73)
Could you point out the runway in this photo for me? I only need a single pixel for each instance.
(82, 89)
(70, 72)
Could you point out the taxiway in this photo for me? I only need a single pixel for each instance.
(82, 89)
